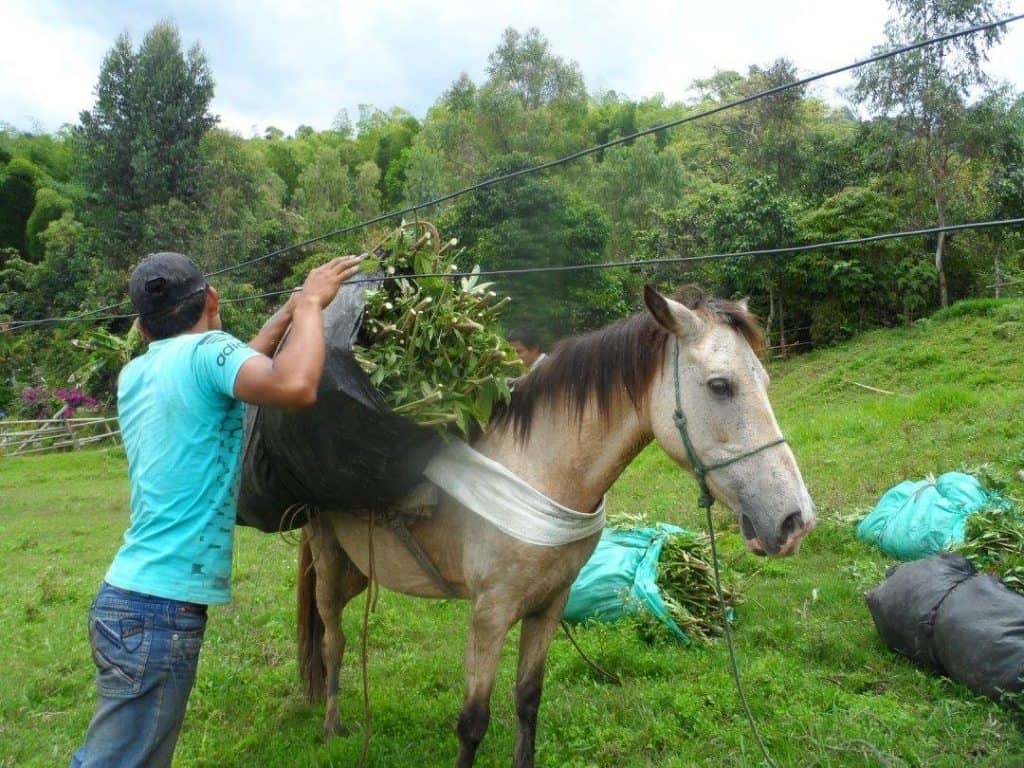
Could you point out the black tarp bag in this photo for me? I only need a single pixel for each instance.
(903, 606)
(941, 613)
(347, 451)
(979, 636)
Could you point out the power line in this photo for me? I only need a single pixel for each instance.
(627, 263)
(621, 140)
(17, 324)
(568, 158)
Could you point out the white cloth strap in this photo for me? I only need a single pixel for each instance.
(491, 491)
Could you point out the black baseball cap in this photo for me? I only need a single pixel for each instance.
(163, 280)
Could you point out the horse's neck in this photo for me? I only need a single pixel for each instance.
(573, 463)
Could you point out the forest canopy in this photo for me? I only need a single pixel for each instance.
(925, 140)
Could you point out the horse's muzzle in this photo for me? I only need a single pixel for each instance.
(785, 542)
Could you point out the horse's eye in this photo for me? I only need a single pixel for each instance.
(720, 387)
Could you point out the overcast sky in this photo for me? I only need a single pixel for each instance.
(287, 64)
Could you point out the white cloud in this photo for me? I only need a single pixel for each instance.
(287, 64)
(48, 68)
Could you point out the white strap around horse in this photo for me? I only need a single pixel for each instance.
(491, 491)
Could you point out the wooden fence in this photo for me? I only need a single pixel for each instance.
(25, 436)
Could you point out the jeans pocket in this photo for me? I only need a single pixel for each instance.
(185, 647)
(120, 649)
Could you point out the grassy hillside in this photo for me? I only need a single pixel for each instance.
(824, 689)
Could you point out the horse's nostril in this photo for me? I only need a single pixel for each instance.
(791, 525)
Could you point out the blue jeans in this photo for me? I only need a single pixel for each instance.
(146, 650)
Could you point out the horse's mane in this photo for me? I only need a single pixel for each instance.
(624, 356)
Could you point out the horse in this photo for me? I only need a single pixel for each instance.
(572, 426)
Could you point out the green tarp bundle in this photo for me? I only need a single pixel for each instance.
(620, 578)
(917, 519)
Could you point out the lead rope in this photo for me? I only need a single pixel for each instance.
(705, 501)
(611, 677)
(371, 604)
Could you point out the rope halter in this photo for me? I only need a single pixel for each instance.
(700, 469)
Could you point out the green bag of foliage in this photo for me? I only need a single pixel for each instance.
(917, 519)
(621, 576)
(659, 571)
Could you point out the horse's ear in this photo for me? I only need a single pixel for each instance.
(744, 303)
(671, 315)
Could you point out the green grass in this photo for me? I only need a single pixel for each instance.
(824, 689)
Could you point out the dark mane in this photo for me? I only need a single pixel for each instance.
(623, 357)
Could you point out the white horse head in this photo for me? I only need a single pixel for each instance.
(712, 375)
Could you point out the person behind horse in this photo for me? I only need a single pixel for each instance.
(527, 344)
(181, 411)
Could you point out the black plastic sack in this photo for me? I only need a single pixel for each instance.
(979, 636)
(348, 451)
(903, 606)
(941, 613)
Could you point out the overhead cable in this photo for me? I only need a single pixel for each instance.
(619, 264)
(615, 142)
(567, 158)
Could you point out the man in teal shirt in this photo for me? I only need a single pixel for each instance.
(181, 408)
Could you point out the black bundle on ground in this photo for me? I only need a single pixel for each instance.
(943, 614)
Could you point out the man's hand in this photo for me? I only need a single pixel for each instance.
(290, 380)
(323, 282)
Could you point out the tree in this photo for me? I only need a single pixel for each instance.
(849, 289)
(281, 159)
(751, 214)
(770, 136)
(385, 137)
(332, 194)
(926, 89)
(240, 196)
(525, 64)
(424, 174)
(50, 154)
(633, 183)
(777, 122)
(50, 206)
(69, 278)
(532, 222)
(1004, 135)
(18, 181)
(142, 135)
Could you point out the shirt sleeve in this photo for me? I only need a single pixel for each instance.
(217, 360)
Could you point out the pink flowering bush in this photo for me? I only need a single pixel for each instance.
(75, 398)
(41, 403)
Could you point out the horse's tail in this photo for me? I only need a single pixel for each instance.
(310, 625)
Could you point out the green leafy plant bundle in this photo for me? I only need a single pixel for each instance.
(433, 346)
(686, 583)
(994, 542)
(686, 579)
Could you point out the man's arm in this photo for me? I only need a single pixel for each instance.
(290, 380)
(272, 332)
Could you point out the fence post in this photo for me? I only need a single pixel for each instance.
(74, 438)
(112, 433)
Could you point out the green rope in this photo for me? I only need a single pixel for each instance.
(705, 501)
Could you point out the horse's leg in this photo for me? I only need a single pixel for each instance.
(534, 642)
(488, 626)
(338, 581)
